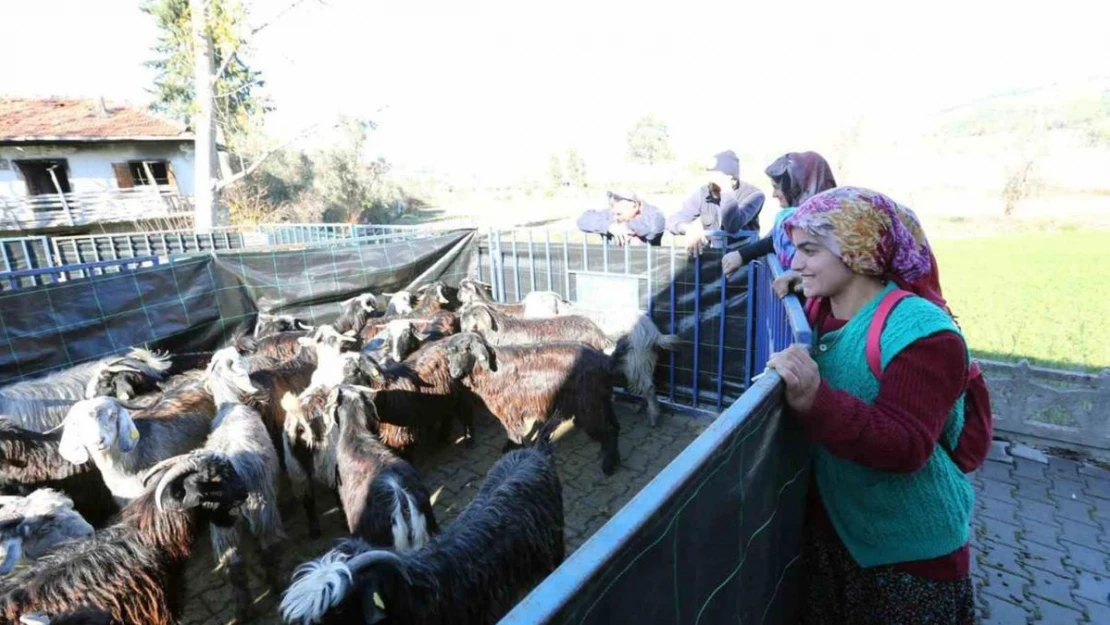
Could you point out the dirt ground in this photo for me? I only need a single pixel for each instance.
(453, 475)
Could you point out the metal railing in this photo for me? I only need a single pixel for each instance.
(15, 280)
(87, 207)
(677, 550)
(121, 245)
(777, 322)
(683, 295)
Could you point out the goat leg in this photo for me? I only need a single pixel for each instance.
(237, 578)
(308, 500)
(271, 561)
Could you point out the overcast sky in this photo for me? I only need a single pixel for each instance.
(496, 86)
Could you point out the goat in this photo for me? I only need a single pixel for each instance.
(395, 342)
(273, 351)
(328, 343)
(354, 312)
(123, 445)
(400, 303)
(30, 461)
(435, 297)
(238, 434)
(500, 329)
(635, 329)
(526, 382)
(129, 376)
(506, 540)
(42, 403)
(134, 569)
(385, 502)
(35, 525)
(80, 616)
(267, 325)
(534, 303)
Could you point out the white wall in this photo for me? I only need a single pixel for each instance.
(90, 167)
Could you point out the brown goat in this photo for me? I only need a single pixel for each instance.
(532, 382)
(500, 329)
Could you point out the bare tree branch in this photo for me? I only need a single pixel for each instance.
(223, 184)
(254, 31)
(245, 85)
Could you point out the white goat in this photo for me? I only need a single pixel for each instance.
(42, 403)
(35, 525)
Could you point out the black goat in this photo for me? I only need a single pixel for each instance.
(385, 502)
(506, 540)
(134, 569)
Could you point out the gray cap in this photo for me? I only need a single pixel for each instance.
(727, 163)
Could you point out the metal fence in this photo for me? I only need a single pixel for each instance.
(683, 295)
(21, 254)
(715, 537)
(776, 322)
(116, 246)
(15, 280)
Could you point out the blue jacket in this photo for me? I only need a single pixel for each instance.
(647, 226)
(735, 212)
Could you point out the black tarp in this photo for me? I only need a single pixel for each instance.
(194, 304)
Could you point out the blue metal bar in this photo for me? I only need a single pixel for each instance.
(650, 291)
(697, 326)
(547, 253)
(750, 325)
(500, 277)
(516, 268)
(673, 327)
(531, 260)
(721, 341)
(628, 260)
(605, 254)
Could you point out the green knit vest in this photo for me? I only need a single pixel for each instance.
(884, 517)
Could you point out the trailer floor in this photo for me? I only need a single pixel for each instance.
(453, 475)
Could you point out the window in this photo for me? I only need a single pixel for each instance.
(44, 177)
(143, 171)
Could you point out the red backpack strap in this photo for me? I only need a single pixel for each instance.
(875, 331)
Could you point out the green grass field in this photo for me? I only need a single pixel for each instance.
(1044, 297)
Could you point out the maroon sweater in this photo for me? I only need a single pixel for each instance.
(899, 430)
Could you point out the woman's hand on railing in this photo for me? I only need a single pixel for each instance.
(799, 372)
(786, 283)
(731, 262)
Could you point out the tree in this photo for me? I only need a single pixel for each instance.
(217, 31)
(575, 169)
(239, 104)
(555, 171)
(649, 141)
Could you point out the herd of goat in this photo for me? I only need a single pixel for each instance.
(110, 469)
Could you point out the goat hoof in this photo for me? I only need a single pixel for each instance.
(609, 464)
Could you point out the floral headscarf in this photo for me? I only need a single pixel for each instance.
(800, 176)
(873, 235)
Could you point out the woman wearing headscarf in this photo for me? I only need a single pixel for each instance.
(889, 511)
(796, 177)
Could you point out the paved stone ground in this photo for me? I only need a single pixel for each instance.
(1041, 539)
(454, 475)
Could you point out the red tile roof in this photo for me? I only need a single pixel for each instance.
(58, 119)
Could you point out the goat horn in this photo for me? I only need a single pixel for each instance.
(175, 473)
(368, 558)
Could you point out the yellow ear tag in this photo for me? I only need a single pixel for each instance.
(134, 434)
(378, 601)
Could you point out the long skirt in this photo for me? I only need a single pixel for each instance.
(839, 592)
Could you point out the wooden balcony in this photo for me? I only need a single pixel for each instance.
(76, 209)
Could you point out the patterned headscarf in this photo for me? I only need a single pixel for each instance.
(873, 235)
(800, 176)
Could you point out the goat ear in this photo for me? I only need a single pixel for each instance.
(124, 390)
(71, 448)
(483, 354)
(127, 435)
